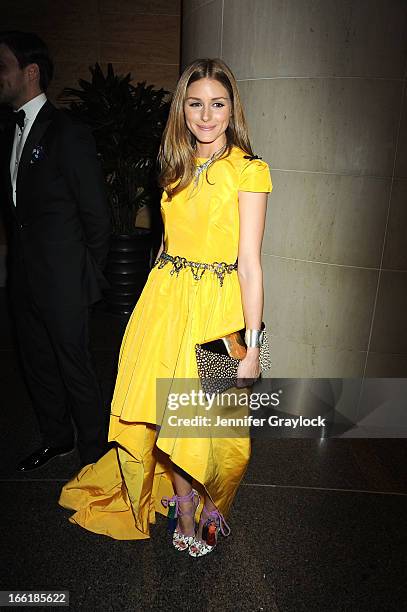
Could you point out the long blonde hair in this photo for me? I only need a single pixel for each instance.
(177, 154)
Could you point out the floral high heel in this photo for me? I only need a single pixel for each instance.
(214, 524)
(180, 540)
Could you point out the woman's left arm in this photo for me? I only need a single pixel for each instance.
(252, 217)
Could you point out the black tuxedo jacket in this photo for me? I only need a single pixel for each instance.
(59, 232)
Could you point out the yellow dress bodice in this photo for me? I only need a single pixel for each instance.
(202, 223)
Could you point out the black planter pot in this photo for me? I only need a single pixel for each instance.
(127, 269)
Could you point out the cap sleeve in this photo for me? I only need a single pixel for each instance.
(255, 176)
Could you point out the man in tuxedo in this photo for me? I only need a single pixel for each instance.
(58, 225)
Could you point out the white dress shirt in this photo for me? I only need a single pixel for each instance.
(31, 109)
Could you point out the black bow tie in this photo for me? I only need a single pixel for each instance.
(19, 117)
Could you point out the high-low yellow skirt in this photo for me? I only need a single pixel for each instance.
(119, 495)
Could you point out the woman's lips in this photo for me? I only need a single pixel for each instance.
(204, 128)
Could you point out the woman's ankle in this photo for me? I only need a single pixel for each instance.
(186, 516)
(186, 525)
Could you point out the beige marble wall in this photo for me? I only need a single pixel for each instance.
(324, 87)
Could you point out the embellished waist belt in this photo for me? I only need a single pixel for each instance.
(197, 267)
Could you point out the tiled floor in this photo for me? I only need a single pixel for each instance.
(318, 525)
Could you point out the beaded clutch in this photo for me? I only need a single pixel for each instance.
(219, 359)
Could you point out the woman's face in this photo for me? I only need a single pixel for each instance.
(207, 110)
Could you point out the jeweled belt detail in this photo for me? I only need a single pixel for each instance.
(198, 268)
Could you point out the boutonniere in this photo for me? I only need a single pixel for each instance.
(37, 154)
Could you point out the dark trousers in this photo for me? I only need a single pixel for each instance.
(54, 349)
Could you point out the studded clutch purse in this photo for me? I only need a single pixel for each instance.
(219, 359)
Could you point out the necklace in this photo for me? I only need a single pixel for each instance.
(202, 167)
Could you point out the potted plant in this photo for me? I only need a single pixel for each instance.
(127, 122)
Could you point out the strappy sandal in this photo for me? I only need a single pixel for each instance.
(214, 524)
(180, 540)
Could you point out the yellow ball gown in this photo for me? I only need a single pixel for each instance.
(119, 495)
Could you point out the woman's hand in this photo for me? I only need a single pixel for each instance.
(248, 370)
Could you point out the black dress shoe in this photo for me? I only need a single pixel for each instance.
(41, 456)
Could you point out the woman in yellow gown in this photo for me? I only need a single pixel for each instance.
(213, 207)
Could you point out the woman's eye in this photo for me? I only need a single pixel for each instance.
(219, 104)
